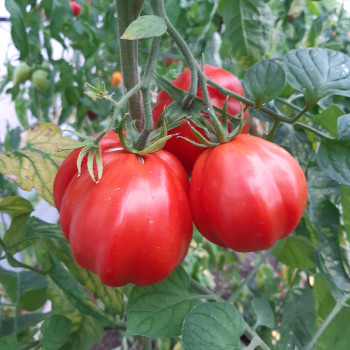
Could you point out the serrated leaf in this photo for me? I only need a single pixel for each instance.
(296, 251)
(145, 27)
(58, 245)
(343, 127)
(159, 310)
(36, 165)
(247, 28)
(53, 340)
(318, 73)
(263, 312)
(334, 159)
(264, 81)
(213, 326)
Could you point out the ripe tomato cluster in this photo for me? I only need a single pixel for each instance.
(135, 225)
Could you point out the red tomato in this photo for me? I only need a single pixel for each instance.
(75, 7)
(135, 225)
(182, 149)
(247, 193)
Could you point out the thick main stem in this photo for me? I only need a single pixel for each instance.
(128, 11)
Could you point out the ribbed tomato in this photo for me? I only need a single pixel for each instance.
(135, 224)
(183, 150)
(247, 193)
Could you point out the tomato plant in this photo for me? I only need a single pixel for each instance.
(135, 225)
(185, 151)
(247, 193)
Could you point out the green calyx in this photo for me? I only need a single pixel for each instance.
(155, 142)
(90, 148)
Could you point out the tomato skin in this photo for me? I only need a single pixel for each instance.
(135, 225)
(247, 193)
(116, 79)
(182, 149)
(76, 8)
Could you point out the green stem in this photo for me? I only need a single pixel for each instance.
(315, 131)
(146, 95)
(251, 274)
(254, 338)
(37, 107)
(159, 10)
(147, 345)
(338, 306)
(128, 11)
(15, 263)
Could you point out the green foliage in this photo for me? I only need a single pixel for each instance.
(293, 59)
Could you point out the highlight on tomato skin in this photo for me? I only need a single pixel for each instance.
(182, 149)
(247, 194)
(135, 224)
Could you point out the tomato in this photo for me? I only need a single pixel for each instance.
(182, 149)
(168, 61)
(40, 79)
(75, 7)
(117, 78)
(247, 193)
(92, 115)
(21, 73)
(135, 224)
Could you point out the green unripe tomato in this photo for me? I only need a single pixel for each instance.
(45, 66)
(21, 73)
(40, 79)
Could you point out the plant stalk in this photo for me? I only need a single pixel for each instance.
(338, 306)
(128, 11)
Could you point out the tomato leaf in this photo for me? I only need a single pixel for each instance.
(247, 28)
(318, 73)
(343, 126)
(36, 165)
(328, 119)
(52, 339)
(330, 257)
(296, 141)
(345, 201)
(145, 27)
(25, 287)
(159, 310)
(21, 323)
(9, 342)
(334, 159)
(264, 313)
(18, 29)
(212, 326)
(296, 251)
(15, 205)
(58, 245)
(85, 330)
(264, 81)
(298, 318)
